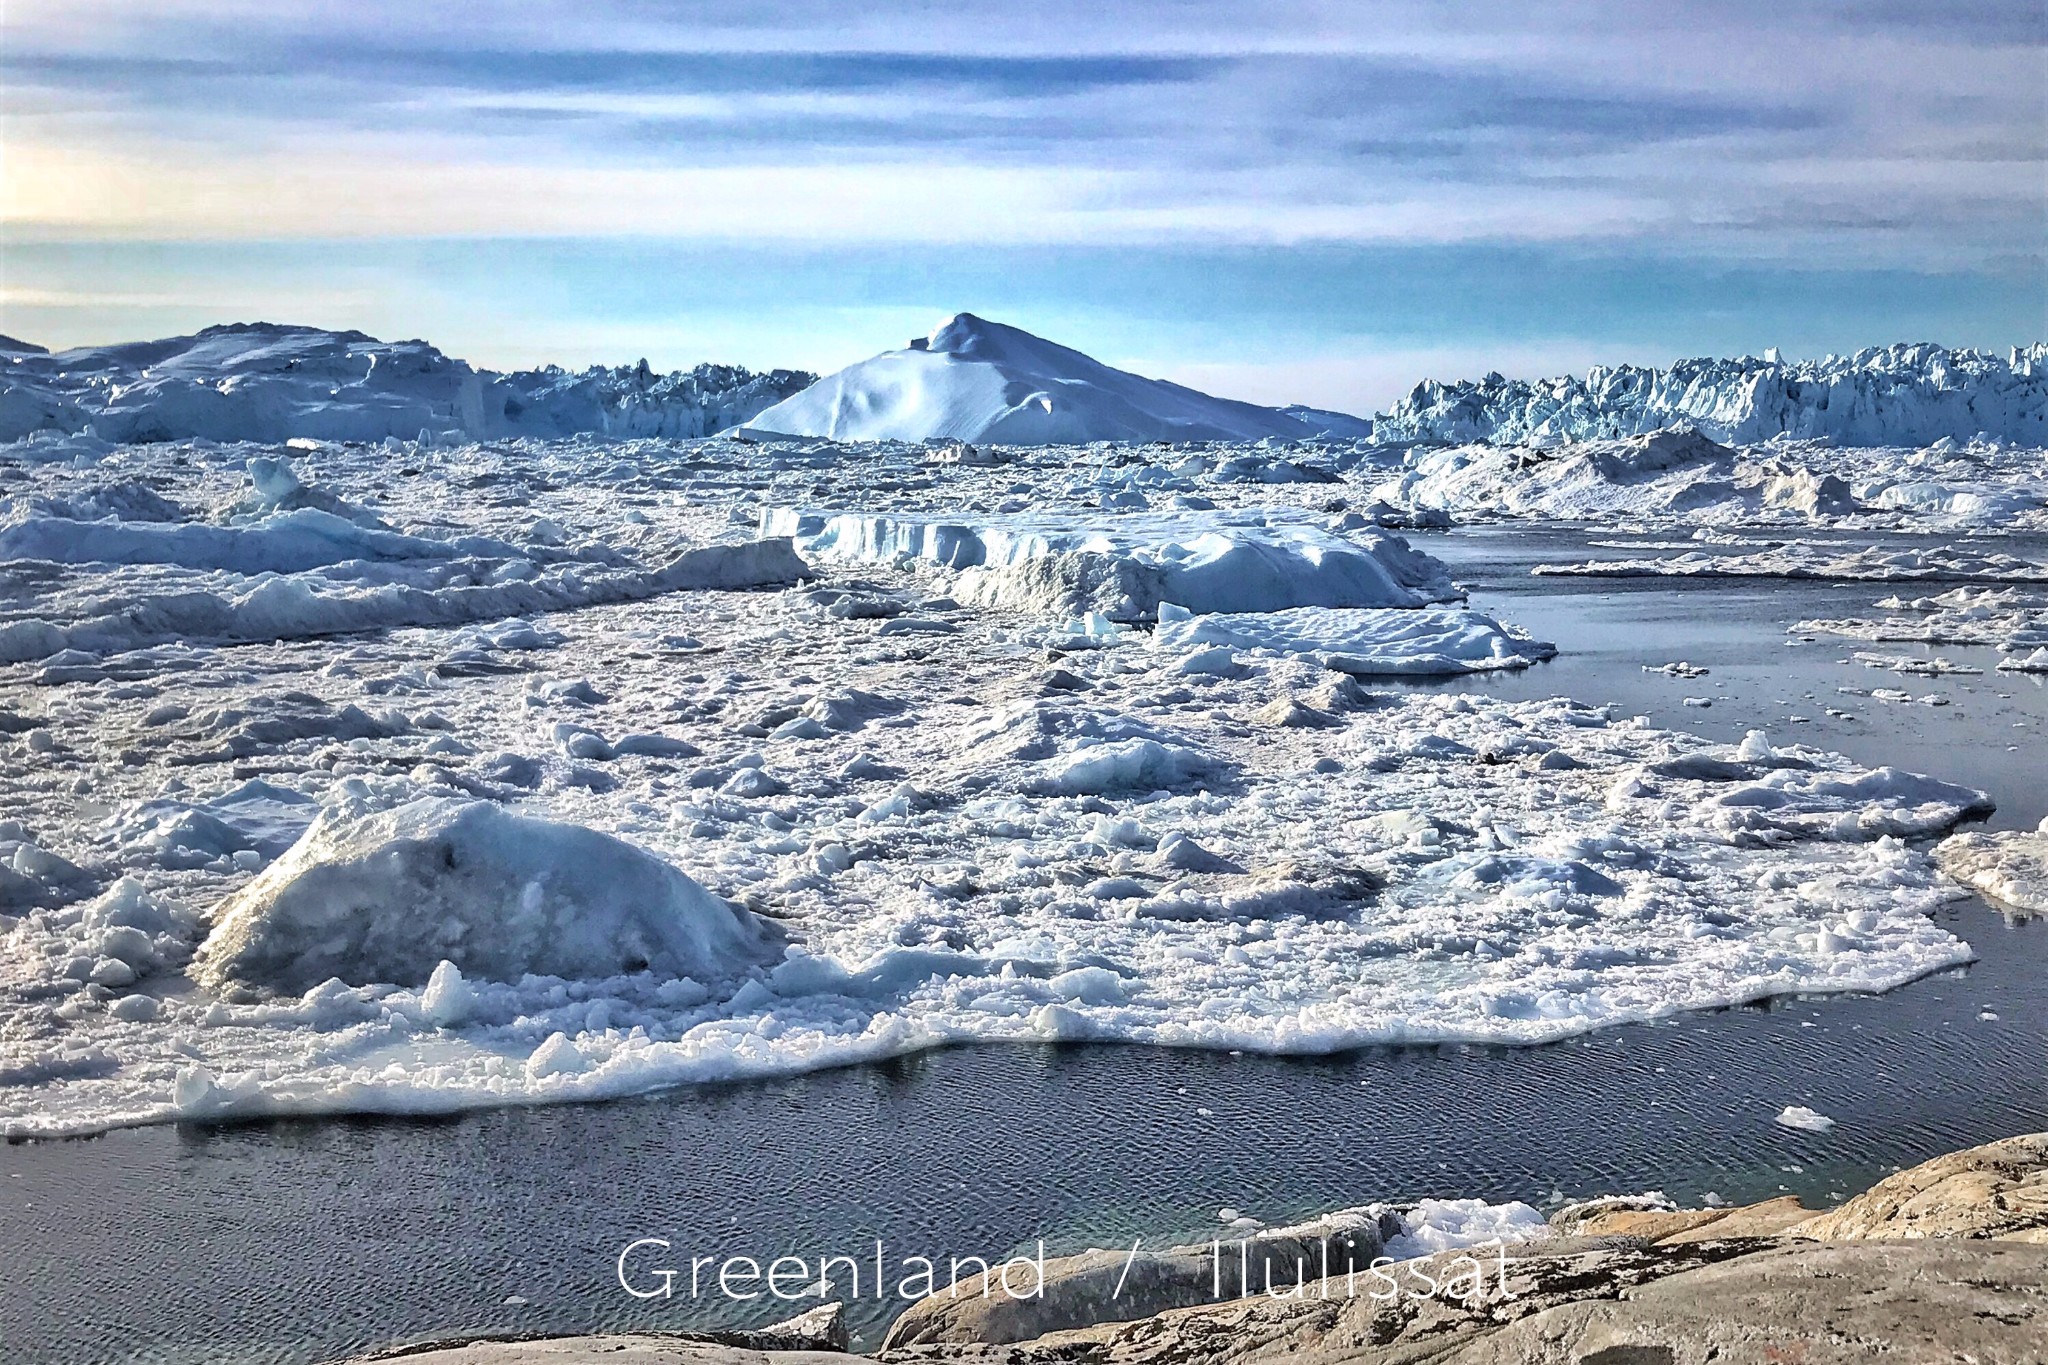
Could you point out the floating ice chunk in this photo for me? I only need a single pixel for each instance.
(1811, 561)
(287, 542)
(290, 607)
(1367, 642)
(1088, 985)
(387, 897)
(1799, 1116)
(2009, 866)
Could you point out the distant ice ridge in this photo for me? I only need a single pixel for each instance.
(1891, 395)
(271, 382)
(1681, 474)
(976, 380)
(1124, 566)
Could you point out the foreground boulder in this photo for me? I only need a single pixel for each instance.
(1999, 1190)
(1810, 1303)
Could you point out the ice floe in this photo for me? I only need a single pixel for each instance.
(1365, 642)
(1805, 559)
(2010, 866)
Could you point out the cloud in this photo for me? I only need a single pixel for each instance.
(1784, 125)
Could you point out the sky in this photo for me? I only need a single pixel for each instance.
(1280, 201)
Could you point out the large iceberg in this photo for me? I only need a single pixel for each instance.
(270, 382)
(975, 380)
(1125, 566)
(1889, 395)
(391, 895)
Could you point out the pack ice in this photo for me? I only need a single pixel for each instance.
(586, 787)
(976, 380)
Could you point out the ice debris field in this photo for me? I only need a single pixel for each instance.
(348, 773)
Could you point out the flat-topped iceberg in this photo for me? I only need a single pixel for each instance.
(1204, 561)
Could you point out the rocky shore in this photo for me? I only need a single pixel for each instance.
(1947, 1261)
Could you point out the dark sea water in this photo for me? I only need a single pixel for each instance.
(295, 1241)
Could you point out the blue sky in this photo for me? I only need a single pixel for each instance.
(1279, 201)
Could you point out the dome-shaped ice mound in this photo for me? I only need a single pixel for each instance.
(386, 897)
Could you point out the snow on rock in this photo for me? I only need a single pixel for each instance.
(389, 896)
(269, 382)
(1125, 566)
(2009, 866)
(1366, 641)
(1892, 395)
(988, 383)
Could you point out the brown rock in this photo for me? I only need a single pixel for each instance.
(1803, 1304)
(1770, 1218)
(1998, 1190)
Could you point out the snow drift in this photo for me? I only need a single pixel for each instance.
(975, 380)
(1890, 395)
(389, 896)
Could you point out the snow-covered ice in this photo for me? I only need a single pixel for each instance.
(392, 895)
